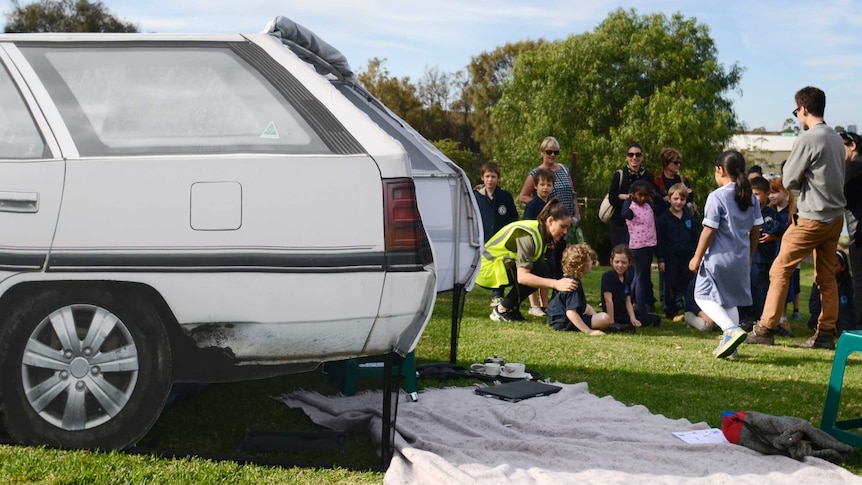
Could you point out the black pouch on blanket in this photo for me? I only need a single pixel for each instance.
(783, 435)
(441, 371)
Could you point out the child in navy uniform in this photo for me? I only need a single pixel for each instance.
(846, 313)
(569, 310)
(771, 230)
(677, 239)
(496, 207)
(544, 185)
(617, 294)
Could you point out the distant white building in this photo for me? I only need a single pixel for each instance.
(768, 151)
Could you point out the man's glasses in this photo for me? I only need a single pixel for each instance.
(634, 154)
(552, 152)
(676, 162)
(795, 111)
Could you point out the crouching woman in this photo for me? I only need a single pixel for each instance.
(514, 259)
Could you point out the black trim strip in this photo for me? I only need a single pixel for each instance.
(12, 260)
(239, 261)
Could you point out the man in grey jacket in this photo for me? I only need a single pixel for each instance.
(815, 168)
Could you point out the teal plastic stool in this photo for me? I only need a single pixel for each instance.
(346, 372)
(850, 341)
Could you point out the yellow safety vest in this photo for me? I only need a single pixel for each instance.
(492, 271)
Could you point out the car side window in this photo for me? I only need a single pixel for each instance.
(168, 99)
(19, 136)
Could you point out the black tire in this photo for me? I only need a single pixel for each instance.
(48, 393)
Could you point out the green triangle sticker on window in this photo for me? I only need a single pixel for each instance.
(270, 131)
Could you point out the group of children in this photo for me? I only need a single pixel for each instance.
(743, 222)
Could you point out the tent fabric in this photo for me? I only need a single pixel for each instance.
(288, 30)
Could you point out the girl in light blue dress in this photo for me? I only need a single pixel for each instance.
(731, 229)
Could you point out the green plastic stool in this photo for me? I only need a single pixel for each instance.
(346, 372)
(850, 341)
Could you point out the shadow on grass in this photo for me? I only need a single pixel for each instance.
(214, 423)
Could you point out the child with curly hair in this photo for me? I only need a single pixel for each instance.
(569, 310)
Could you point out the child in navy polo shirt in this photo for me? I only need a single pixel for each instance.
(771, 230)
(677, 240)
(617, 294)
(544, 186)
(496, 207)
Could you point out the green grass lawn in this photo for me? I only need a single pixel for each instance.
(669, 369)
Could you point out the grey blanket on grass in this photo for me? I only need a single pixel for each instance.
(454, 436)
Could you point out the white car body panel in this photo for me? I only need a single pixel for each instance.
(232, 242)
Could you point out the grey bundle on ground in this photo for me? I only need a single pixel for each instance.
(790, 436)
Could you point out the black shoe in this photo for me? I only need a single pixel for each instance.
(620, 328)
(504, 316)
(761, 335)
(784, 329)
(746, 325)
(820, 340)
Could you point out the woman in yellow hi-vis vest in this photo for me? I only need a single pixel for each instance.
(513, 257)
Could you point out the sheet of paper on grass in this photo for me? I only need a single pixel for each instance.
(701, 436)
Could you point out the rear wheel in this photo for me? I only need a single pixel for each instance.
(83, 369)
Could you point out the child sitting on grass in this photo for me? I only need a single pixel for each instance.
(569, 310)
(617, 294)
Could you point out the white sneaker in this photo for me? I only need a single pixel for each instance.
(537, 312)
(730, 340)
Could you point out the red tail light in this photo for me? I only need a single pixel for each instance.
(406, 243)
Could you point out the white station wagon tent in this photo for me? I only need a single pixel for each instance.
(444, 194)
(448, 209)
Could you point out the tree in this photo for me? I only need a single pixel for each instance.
(463, 158)
(399, 95)
(435, 88)
(790, 126)
(462, 111)
(435, 95)
(488, 71)
(648, 78)
(64, 16)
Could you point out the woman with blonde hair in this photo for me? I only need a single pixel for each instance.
(562, 191)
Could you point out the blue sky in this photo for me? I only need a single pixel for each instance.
(782, 45)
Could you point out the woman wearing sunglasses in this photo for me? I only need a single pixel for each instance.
(619, 190)
(671, 162)
(563, 190)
